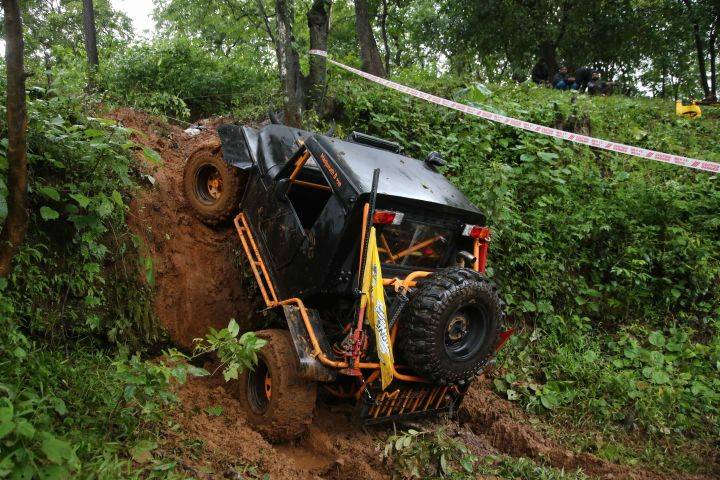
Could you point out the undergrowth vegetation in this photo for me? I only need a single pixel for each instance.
(609, 264)
(75, 401)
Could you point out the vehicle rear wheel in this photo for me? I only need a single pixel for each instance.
(211, 186)
(279, 404)
(451, 325)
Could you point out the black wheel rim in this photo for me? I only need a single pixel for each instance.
(465, 333)
(259, 388)
(208, 184)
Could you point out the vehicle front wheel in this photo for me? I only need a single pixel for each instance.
(279, 404)
(211, 186)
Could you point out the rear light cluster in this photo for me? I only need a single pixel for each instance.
(387, 217)
(477, 232)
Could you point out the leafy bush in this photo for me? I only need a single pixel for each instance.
(179, 78)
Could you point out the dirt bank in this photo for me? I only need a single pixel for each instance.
(198, 281)
(199, 284)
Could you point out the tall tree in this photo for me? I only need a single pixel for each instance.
(289, 62)
(693, 15)
(90, 32)
(318, 19)
(369, 53)
(15, 226)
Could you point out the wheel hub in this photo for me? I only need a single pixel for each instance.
(208, 184)
(268, 385)
(457, 328)
(214, 186)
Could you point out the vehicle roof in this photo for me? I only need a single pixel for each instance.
(400, 176)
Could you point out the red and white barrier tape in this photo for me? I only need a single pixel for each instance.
(532, 127)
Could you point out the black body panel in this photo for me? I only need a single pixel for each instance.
(310, 254)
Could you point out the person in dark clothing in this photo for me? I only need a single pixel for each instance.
(595, 85)
(540, 73)
(582, 78)
(560, 80)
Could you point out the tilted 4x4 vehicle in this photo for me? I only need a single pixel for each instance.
(303, 205)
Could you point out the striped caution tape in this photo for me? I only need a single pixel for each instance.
(532, 127)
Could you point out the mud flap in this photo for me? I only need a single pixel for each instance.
(310, 367)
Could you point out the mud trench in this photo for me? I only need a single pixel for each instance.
(199, 283)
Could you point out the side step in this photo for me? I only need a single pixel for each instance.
(310, 367)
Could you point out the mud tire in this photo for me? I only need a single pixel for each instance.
(290, 408)
(433, 305)
(212, 211)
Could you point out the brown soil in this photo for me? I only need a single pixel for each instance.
(199, 284)
(198, 281)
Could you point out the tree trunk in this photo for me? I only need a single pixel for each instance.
(15, 226)
(318, 18)
(290, 62)
(90, 34)
(369, 54)
(713, 56)
(699, 48)
(383, 28)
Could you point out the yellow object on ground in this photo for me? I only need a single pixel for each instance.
(373, 298)
(690, 111)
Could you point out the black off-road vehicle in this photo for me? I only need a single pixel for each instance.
(303, 205)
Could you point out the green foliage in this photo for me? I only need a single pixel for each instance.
(594, 252)
(235, 354)
(80, 177)
(436, 454)
(180, 79)
(431, 454)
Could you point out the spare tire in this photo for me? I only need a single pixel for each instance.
(451, 325)
(211, 186)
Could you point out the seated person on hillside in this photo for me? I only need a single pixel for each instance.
(582, 78)
(560, 80)
(540, 73)
(595, 85)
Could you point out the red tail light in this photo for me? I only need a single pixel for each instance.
(386, 217)
(476, 231)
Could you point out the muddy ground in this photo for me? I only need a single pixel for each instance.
(200, 283)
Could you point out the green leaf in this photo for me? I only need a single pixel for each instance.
(117, 198)
(231, 372)
(233, 328)
(93, 133)
(152, 155)
(56, 450)
(660, 377)
(81, 199)
(141, 452)
(444, 465)
(25, 429)
(214, 411)
(48, 213)
(105, 208)
(657, 338)
(6, 428)
(49, 192)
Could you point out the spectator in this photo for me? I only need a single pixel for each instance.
(540, 73)
(560, 80)
(595, 85)
(582, 78)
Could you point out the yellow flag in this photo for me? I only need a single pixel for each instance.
(373, 298)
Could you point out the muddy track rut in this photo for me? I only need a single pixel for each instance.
(200, 284)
